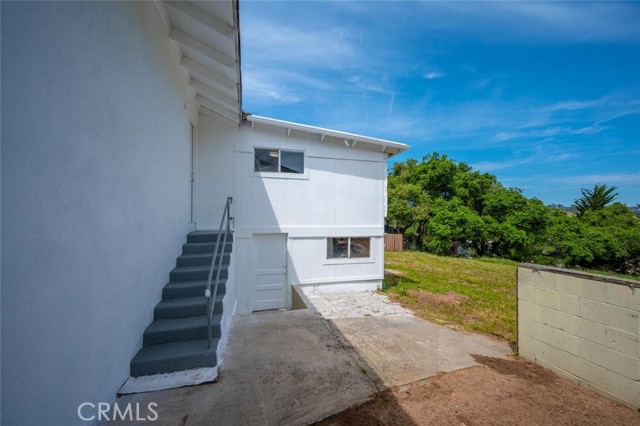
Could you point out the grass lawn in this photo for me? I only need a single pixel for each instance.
(469, 294)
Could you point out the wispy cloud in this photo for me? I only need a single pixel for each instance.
(275, 43)
(536, 22)
(612, 178)
(551, 131)
(540, 154)
(268, 89)
(572, 105)
(432, 75)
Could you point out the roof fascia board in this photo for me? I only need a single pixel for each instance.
(327, 132)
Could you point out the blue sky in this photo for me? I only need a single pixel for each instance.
(544, 95)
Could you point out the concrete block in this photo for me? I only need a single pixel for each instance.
(607, 394)
(527, 310)
(582, 328)
(622, 295)
(610, 359)
(537, 349)
(610, 315)
(564, 374)
(537, 278)
(558, 339)
(621, 341)
(582, 287)
(546, 316)
(526, 355)
(526, 293)
(544, 351)
(624, 387)
(584, 369)
(526, 345)
(526, 327)
(558, 301)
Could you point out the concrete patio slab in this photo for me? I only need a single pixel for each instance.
(402, 349)
(297, 367)
(280, 368)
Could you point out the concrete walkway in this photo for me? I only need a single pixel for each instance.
(397, 346)
(297, 367)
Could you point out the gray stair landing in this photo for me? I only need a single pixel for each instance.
(177, 338)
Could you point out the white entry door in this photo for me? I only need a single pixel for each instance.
(270, 265)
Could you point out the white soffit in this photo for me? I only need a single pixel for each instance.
(350, 139)
(209, 39)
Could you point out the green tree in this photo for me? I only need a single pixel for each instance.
(441, 205)
(595, 199)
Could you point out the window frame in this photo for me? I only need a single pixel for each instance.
(349, 258)
(279, 174)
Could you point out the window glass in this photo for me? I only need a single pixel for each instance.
(348, 247)
(266, 160)
(337, 248)
(291, 162)
(360, 247)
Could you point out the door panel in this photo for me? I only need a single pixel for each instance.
(270, 265)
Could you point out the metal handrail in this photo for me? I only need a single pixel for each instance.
(211, 301)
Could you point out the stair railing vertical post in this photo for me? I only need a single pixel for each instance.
(211, 298)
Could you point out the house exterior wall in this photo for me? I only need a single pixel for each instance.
(341, 194)
(583, 326)
(95, 197)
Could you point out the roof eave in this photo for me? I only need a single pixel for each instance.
(351, 139)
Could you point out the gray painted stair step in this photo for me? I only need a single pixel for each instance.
(205, 247)
(180, 329)
(178, 289)
(170, 357)
(186, 307)
(197, 259)
(207, 237)
(196, 273)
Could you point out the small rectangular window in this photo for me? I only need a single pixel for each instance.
(278, 161)
(266, 160)
(348, 247)
(291, 162)
(360, 247)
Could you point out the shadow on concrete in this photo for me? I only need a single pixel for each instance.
(280, 368)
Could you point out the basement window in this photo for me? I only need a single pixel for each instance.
(271, 160)
(348, 247)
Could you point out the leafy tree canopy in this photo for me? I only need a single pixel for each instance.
(446, 207)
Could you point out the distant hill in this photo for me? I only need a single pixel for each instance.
(571, 210)
(568, 209)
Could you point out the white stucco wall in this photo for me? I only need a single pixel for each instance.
(214, 170)
(95, 197)
(340, 195)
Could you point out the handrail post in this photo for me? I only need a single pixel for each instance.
(211, 298)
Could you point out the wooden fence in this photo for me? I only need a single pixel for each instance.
(392, 242)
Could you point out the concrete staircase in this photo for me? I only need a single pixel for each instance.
(176, 340)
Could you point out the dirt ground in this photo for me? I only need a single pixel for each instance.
(498, 392)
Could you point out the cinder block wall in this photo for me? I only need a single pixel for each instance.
(583, 326)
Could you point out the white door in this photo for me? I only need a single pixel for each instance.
(270, 265)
